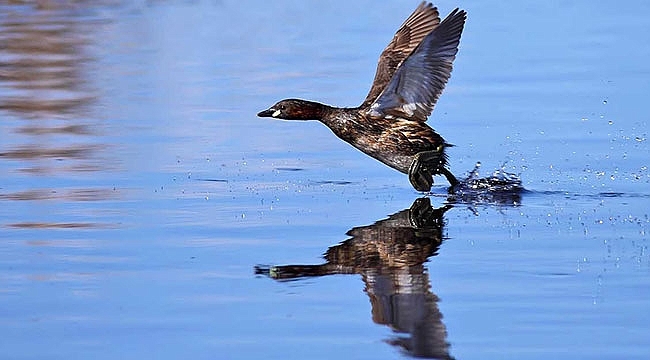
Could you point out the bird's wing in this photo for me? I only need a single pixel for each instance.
(417, 84)
(410, 34)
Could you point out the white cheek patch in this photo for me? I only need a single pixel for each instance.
(276, 113)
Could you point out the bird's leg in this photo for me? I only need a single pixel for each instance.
(424, 165)
(450, 177)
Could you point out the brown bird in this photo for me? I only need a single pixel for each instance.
(390, 124)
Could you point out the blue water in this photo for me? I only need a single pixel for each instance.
(146, 212)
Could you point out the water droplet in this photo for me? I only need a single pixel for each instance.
(610, 122)
(605, 102)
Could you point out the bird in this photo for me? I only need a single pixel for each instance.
(390, 124)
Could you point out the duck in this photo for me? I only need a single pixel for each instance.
(390, 125)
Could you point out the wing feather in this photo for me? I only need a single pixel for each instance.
(417, 84)
(415, 28)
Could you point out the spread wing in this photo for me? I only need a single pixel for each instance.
(407, 38)
(418, 82)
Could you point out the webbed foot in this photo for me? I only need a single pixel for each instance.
(419, 175)
(424, 165)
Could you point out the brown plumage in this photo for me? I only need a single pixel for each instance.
(410, 34)
(390, 124)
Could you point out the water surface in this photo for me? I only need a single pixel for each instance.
(146, 212)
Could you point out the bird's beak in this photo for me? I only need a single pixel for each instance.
(269, 113)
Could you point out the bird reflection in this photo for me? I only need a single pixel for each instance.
(390, 256)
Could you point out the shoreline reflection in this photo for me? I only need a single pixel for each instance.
(49, 113)
(49, 95)
(390, 255)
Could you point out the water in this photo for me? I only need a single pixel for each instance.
(146, 212)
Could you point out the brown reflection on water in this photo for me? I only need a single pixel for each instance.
(44, 52)
(389, 255)
(27, 153)
(44, 225)
(44, 81)
(48, 107)
(61, 194)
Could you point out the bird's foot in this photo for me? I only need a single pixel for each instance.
(419, 175)
(424, 165)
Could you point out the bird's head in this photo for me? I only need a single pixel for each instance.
(295, 109)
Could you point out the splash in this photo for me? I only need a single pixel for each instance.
(501, 187)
